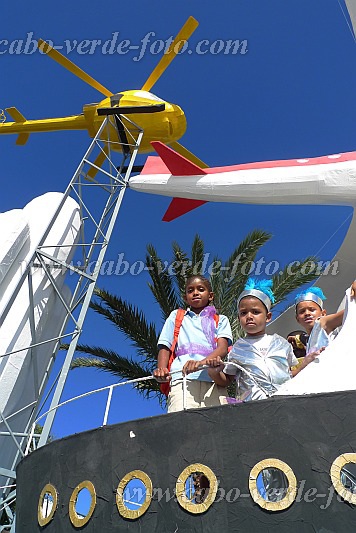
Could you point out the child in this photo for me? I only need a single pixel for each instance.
(202, 333)
(310, 313)
(298, 339)
(267, 358)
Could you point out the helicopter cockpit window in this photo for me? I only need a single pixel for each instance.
(149, 96)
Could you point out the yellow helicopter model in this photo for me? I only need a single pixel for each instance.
(166, 126)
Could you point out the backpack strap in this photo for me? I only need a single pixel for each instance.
(177, 324)
(165, 387)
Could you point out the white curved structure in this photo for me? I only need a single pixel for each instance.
(333, 284)
(31, 311)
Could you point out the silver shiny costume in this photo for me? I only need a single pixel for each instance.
(318, 338)
(270, 370)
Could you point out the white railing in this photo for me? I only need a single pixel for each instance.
(110, 389)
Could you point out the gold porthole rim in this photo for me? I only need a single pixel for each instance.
(51, 489)
(196, 508)
(76, 520)
(132, 514)
(290, 496)
(335, 475)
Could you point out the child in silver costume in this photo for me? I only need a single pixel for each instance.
(265, 361)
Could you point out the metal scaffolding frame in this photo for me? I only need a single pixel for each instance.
(98, 186)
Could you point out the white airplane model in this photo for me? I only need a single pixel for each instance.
(328, 180)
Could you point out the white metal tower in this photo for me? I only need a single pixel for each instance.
(98, 192)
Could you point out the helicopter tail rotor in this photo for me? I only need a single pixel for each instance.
(19, 118)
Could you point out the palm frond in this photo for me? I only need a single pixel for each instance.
(183, 271)
(293, 277)
(197, 254)
(237, 268)
(130, 321)
(217, 274)
(162, 286)
(124, 368)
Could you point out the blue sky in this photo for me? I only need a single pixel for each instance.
(290, 95)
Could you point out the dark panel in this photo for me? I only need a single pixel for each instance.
(307, 433)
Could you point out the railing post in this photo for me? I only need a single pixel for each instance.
(108, 402)
(184, 392)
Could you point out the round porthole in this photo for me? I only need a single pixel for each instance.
(343, 476)
(273, 485)
(196, 488)
(82, 503)
(47, 504)
(134, 494)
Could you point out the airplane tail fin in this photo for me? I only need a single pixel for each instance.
(19, 118)
(179, 207)
(176, 163)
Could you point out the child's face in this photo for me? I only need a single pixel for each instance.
(307, 313)
(197, 295)
(253, 316)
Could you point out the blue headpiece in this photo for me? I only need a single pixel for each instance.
(261, 289)
(313, 294)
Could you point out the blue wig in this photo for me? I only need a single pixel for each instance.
(261, 289)
(263, 285)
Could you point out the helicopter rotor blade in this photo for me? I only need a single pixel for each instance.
(66, 63)
(187, 154)
(183, 35)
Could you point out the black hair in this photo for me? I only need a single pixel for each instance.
(202, 278)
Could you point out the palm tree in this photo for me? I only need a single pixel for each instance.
(227, 279)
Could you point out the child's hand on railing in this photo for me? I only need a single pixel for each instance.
(192, 366)
(215, 364)
(161, 375)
